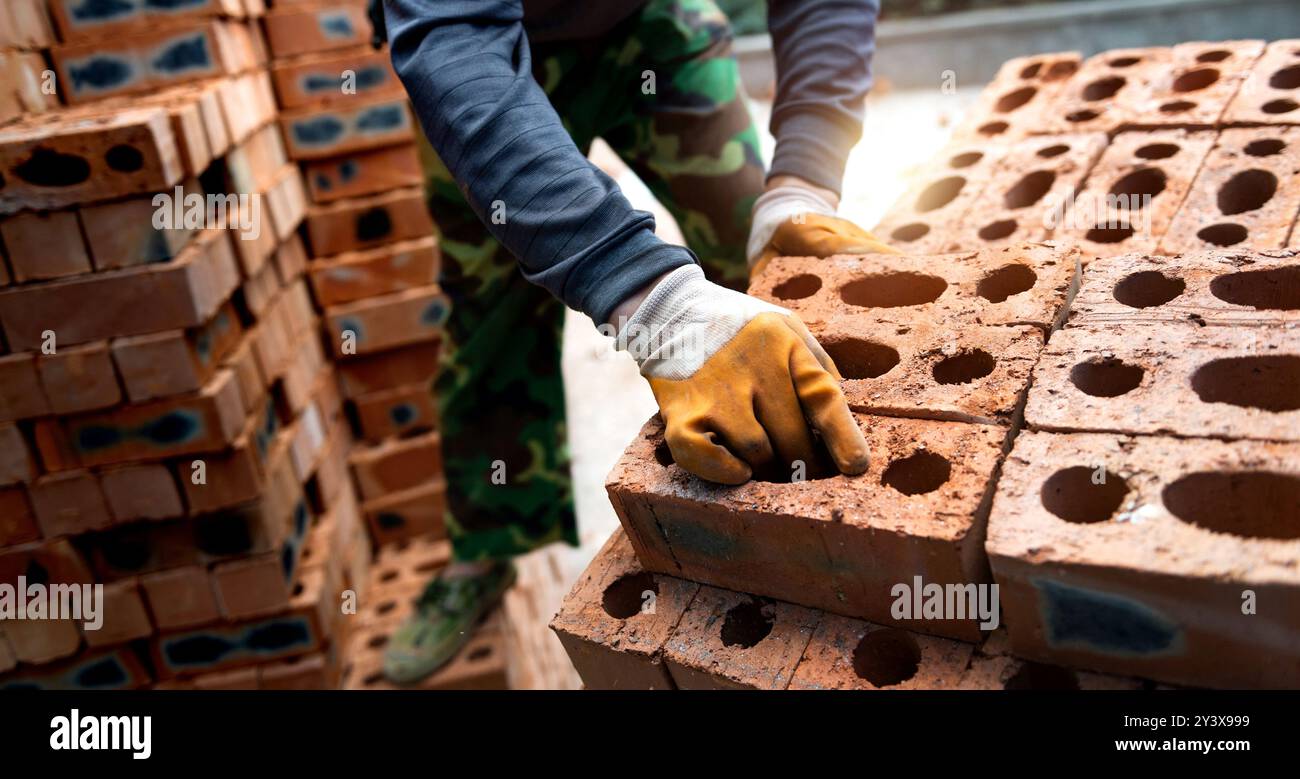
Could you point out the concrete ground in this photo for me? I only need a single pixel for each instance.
(607, 399)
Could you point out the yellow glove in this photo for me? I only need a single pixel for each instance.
(739, 382)
(793, 220)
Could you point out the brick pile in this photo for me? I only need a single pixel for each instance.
(171, 426)
(1103, 424)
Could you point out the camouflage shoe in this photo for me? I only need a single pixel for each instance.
(444, 620)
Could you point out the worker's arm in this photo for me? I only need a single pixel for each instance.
(468, 69)
(823, 51)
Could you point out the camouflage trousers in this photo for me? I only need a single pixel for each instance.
(663, 90)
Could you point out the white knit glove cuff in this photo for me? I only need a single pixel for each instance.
(684, 321)
(777, 205)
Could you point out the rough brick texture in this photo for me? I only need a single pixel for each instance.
(1012, 104)
(928, 217)
(1271, 93)
(1194, 88)
(1103, 96)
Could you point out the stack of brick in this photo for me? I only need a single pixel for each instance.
(171, 427)
(1159, 150)
(26, 85)
(374, 258)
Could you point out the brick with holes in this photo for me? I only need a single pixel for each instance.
(832, 542)
(363, 173)
(1025, 284)
(1180, 380)
(732, 640)
(1030, 191)
(849, 654)
(365, 223)
(1271, 93)
(396, 411)
(615, 621)
(417, 511)
(1103, 95)
(1209, 288)
(91, 20)
(1134, 191)
(1157, 558)
(1012, 104)
(480, 665)
(1195, 87)
(927, 218)
(1241, 196)
(119, 668)
(393, 267)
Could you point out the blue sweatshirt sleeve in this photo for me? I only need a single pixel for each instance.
(823, 51)
(467, 67)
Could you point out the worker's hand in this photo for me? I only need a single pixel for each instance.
(739, 381)
(796, 219)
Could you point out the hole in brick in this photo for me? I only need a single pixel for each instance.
(1105, 88)
(747, 623)
(1106, 377)
(1148, 288)
(1084, 115)
(1124, 62)
(1215, 55)
(386, 607)
(1053, 151)
(918, 473)
(1030, 189)
(1286, 78)
(1031, 70)
(1039, 676)
(124, 159)
(387, 576)
(1275, 289)
(1177, 107)
(1081, 495)
(966, 160)
(1158, 151)
(996, 231)
(49, 168)
(1223, 234)
(940, 193)
(1141, 183)
(1016, 99)
(480, 653)
(1196, 80)
(1108, 234)
(993, 128)
(624, 597)
(886, 656)
(1280, 106)
(796, 287)
(1061, 70)
(1000, 284)
(964, 367)
(893, 290)
(857, 358)
(1265, 148)
(1271, 382)
(377, 641)
(910, 232)
(1252, 504)
(663, 454)
(1247, 191)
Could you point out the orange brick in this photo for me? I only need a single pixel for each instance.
(392, 268)
(69, 503)
(322, 78)
(386, 370)
(387, 321)
(86, 19)
(29, 24)
(79, 378)
(16, 462)
(252, 586)
(17, 523)
(180, 597)
(364, 223)
(396, 464)
(21, 395)
(407, 514)
(286, 202)
(176, 361)
(290, 259)
(42, 640)
(317, 132)
(45, 245)
(234, 679)
(312, 672)
(333, 25)
(396, 411)
(363, 173)
(122, 234)
(141, 492)
(123, 613)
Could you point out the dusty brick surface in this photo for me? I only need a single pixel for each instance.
(1243, 196)
(1104, 94)
(1182, 380)
(1194, 88)
(927, 218)
(960, 373)
(838, 543)
(1111, 215)
(1012, 104)
(733, 640)
(1271, 93)
(1027, 284)
(1213, 288)
(612, 630)
(849, 654)
(1146, 573)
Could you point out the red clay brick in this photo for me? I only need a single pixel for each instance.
(1198, 83)
(286, 203)
(322, 78)
(312, 672)
(414, 512)
(1224, 288)
(396, 465)
(17, 522)
(79, 378)
(396, 411)
(1161, 164)
(124, 615)
(120, 664)
(1104, 94)
(21, 394)
(177, 361)
(332, 25)
(997, 670)
(251, 587)
(57, 557)
(837, 543)
(42, 640)
(1181, 379)
(75, 23)
(386, 370)
(1148, 573)
(16, 461)
(180, 597)
(364, 223)
(394, 267)
(45, 245)
(122, 234)
(69, 503)
(360, 174)
(383, 322)
(141, 492)
(615, 621)
(359, 124)
(1271, 93)
(849, 654)
(1028, 284)
(480, 665)
(1012, 104)
(1242, 195)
